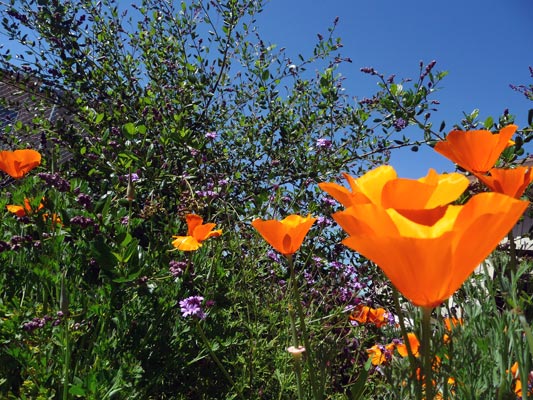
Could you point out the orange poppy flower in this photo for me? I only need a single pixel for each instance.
(413, 342)
(23, 210)
(381, 186)
(510, 181)
(364, 314)
(287, 235)
(380, 354)
(427, 254)
(197, 232)
(366, 189)
(19, 162)
(476, 151)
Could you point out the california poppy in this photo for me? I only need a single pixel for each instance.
(197, 232)
(379, 354)
(23, 210)
(428, 260)
(414, 343)
(381, 186)
(427, 252)
(19, 162)
(287, 235)
(476, 151)
(365, 189)
(365, 314)
(510, 181)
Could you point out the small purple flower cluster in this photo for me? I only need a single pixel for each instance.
(177, 268)
(192, 306)
(323, 143)
(211, 135)
(399, 124)
(55, 181)
(85, 201)
(85, 222)
(37, 322)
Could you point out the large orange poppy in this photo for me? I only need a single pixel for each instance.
(19, 162)
(476, 151)
(429, 258)
(197, 232)
(510, 181)
(287, 235)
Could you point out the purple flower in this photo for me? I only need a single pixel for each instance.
(399, 124)
(177, 268)
(323, 143)
(192, 306)
(329, 201)
(211, 135)
(273, 256)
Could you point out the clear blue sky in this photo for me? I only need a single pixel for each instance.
(484, 45)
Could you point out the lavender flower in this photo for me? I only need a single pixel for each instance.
(192, 306)
(176, 268)
(211, 135)
(399, 124)
(323, 143)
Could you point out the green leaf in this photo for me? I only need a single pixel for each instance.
(129, 129)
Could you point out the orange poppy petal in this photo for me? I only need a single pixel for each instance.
(19, 162)
(414, 344)
(202, 232)
(193, 221)
(487, 217)
(186, 243)
(512, 182)
(342, 195)
(19, 211)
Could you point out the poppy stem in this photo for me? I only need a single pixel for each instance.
(427, 367)
(412, 359)
(512, 253)
(297, 360)
(309, 354)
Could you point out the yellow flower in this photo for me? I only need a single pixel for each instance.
(197, 232)
(287, 235)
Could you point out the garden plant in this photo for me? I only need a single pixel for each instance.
(181, 229)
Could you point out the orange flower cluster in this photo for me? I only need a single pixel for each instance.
(23, 210)
(478, 152)
(19, 162)
(197, 232)
(368, 315)
(517, 383)
(412, 232)
(450, 323)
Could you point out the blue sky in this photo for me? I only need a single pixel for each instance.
(484, 45)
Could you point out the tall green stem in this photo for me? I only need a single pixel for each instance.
(412, 359)
(215, 358)
(427, 367)
(305, 336)
(297, 359)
